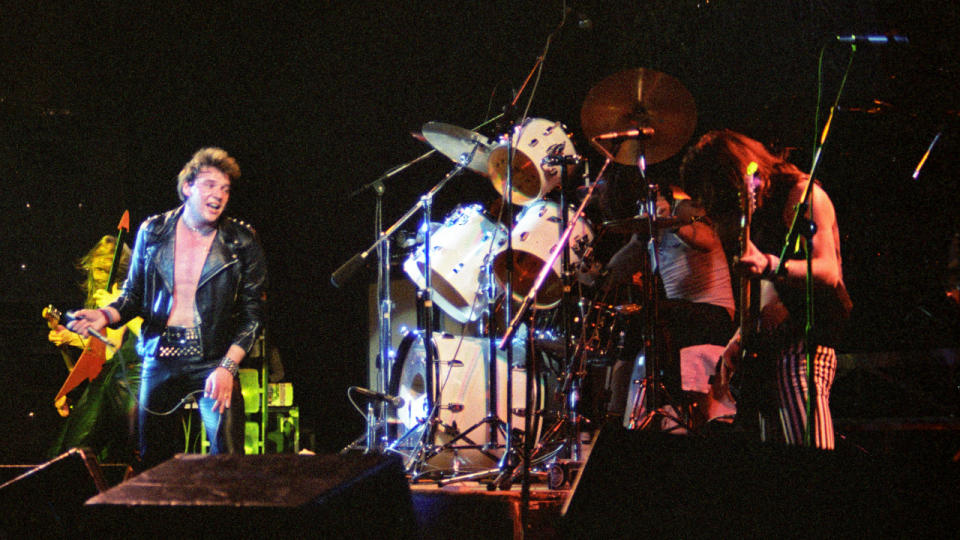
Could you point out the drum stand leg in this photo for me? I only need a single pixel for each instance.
(500, 426)
(646, 410)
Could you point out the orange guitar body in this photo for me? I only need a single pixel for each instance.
(88, 368)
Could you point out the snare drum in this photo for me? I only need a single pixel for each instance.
(533, 141)
(463, 375)
(459, 252)
(534, 238)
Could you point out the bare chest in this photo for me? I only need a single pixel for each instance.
(189, 255)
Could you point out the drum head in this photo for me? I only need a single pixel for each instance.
(532, 177)
(462, 435)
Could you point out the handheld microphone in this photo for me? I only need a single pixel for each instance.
(71, 316)
(873, 39)
(641, 133)
(396, 401)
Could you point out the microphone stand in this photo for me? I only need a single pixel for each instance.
(528, 302)
(381, 246)
(801, 225)
(504, 464)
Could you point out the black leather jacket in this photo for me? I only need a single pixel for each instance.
(230, 293)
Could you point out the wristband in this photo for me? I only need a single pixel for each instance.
(106, 315)
(771, 270)
(229, 365)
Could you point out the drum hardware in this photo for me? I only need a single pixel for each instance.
(649, 399)
(641, 116)
(641, 224)
(453, 292)
(463, 364)
(456, 143)
(382, 247)
(492, 421)
(564, 434)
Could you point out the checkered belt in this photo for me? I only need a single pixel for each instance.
(179, 342)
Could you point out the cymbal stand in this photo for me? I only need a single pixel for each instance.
(381, 246)
(375, 423)
(385, 305)
(425, 448)
(652, 393)
(528, 302)
(564, 434)
(491, 419)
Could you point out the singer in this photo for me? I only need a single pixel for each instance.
(197, 278)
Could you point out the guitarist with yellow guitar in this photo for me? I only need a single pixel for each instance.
(715, 171)
(102, 418)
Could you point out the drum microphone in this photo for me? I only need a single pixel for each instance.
(396, 401)
(641, 133)
(873, 39)
(557, 159)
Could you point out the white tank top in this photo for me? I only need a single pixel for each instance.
(691, 274)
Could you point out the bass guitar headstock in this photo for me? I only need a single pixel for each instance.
(52, 315)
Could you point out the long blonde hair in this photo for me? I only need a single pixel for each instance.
(103, 249)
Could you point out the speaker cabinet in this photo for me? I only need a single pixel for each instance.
(224, 496)
(652, 484)
(46, 501)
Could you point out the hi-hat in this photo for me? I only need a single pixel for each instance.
(638, 99)
(458, 144)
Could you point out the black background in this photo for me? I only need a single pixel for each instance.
(101, 104)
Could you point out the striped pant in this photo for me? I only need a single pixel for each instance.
(792, 388)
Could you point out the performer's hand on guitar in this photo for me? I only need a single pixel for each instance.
(60, 336)
(755, 263)
(729, 358)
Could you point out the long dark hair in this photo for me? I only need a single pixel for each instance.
(713, 169)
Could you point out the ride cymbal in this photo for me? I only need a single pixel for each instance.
(638, 99)
(457, 144)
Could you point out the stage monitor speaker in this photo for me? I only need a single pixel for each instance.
(652, 484)
(226, 496)
(46, 501)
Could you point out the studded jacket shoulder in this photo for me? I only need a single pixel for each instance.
(230, 293)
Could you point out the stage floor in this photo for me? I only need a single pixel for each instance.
(627, 482)
(470, 510)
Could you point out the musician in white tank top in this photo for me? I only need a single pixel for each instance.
(698, 309)
(692, 274)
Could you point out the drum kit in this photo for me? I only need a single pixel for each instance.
(449, 403)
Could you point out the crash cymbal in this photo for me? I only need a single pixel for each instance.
(640, 98)
(457, 143)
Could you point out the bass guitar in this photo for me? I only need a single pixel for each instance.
(748, 305)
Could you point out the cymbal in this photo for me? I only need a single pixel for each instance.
(457, 143)
(640, 98)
